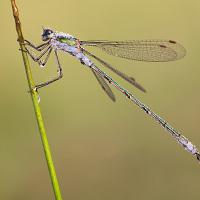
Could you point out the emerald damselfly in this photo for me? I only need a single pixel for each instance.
(141, 50)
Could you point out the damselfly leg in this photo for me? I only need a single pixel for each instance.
(46, 50)
(39, 47)
(59, 76)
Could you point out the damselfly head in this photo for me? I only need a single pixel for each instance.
(47, 34)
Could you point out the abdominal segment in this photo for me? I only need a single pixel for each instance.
(84, 59)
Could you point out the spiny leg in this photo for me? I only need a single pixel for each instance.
(38, 47)
(37, 58)
(43, 63)
(60, 74)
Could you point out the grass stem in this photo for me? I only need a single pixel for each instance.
(36, 106)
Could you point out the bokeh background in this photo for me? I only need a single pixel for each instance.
(102, 150)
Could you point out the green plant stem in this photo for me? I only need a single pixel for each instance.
(36, 106)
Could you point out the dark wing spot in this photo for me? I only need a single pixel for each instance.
(163, 46)
(171, 41)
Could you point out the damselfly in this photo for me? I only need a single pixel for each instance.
(147, 50)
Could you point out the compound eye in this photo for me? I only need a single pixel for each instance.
(49, 32)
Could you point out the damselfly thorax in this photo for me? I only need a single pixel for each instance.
(71, 45)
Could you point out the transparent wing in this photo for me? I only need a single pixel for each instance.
(141, 50)
(104, 85)
(129, 79)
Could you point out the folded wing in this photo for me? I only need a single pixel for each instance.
(141, 50)
(104, 85)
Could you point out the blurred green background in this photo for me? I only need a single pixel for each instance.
(102, 150)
